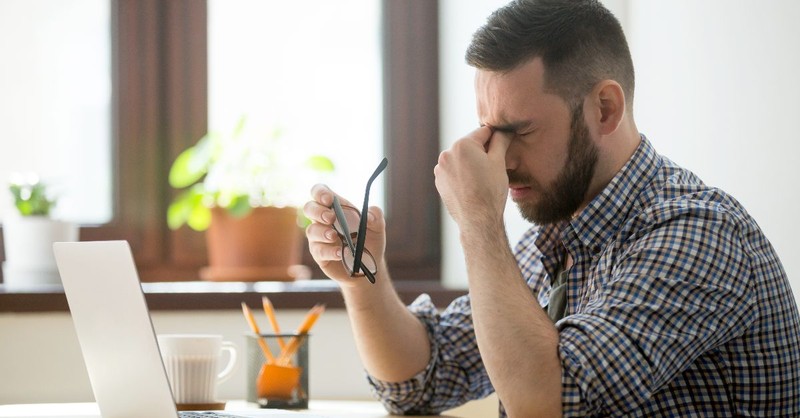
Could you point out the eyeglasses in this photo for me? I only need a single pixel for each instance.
(356, 259)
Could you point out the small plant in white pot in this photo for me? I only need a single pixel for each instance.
(29, 234)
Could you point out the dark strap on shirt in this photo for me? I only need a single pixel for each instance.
(557, 306)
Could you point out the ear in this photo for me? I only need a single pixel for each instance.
(606, 106)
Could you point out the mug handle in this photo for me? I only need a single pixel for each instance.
(227, 372)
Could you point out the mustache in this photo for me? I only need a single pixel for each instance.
(516, 177)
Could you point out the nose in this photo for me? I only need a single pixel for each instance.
(512, 157)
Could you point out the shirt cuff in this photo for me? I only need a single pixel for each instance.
(572, 403)
(406, 396)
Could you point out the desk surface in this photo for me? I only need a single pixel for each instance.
(334, 409)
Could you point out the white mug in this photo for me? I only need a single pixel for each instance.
(192, 365)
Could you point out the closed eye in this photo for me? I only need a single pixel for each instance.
(525, 134)
(518, 129)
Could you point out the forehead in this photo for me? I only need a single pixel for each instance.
(519, 94)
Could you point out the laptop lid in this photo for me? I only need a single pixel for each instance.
(114, 329)
(116, 335)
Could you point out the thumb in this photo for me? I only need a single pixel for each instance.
(375, 220)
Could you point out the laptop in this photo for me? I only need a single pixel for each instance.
(116, 334)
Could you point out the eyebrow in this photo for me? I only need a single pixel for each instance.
(511, 127)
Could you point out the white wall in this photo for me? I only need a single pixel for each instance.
(40, 359)
(716, 92)
(458, 19)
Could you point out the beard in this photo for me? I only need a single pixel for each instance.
(568, 191)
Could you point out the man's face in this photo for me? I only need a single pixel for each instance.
(551, 159)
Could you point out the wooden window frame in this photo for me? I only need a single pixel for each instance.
(160, 106)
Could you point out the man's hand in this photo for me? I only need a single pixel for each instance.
(393, 343)
(471, 177)
(326, 246)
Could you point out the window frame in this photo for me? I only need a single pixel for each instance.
(160, 106)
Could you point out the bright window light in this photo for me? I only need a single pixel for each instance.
(55, 105)
(312, 68)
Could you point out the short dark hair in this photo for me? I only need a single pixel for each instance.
(580, 43)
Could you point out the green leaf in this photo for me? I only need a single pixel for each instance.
(176, 217)
(239, 207)
(206, 152)
(31, 199)
(25, 208)
(320, 163)
(180, 209)
(200, 218)
(184, 172)
(302, 220)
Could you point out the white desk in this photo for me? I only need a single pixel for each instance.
(334, 409)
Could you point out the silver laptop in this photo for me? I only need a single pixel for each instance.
(116, 334)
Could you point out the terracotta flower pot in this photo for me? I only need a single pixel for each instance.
(264, 245)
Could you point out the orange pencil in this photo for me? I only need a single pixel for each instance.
(294, 343)
(270, 311)
(252, 321)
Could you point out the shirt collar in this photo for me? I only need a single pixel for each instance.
(604, 215)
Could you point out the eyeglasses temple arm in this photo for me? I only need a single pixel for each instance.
(337, 208)
(370, 276)
(362, 227)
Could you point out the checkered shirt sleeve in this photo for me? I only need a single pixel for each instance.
(455, 373)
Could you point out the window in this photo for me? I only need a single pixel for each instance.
(55, 108)
(312, 69)
(160, 106)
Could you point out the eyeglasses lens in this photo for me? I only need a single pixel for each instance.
(353, 218)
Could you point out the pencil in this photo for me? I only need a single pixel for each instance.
(311, 317)
(270, 311)
(252, 321)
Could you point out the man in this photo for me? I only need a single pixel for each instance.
(639, 291)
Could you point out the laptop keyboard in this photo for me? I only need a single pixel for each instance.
(205, 414)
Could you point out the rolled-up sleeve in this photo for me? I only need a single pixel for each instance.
(455, 373)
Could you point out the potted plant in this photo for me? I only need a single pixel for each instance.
(29, 234)
(241, 189)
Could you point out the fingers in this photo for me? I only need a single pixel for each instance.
(322, 194)
(481, 135)
(323, 241)
(324, 244)
(318, 209)
(494, 142)
(498, 146)
(319, 213)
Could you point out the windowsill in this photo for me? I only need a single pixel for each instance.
(190, 296)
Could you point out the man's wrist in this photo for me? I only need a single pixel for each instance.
(365, 296)
(484, 232)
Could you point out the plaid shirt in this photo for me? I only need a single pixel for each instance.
(677, 306)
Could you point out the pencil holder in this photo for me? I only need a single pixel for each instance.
(283, 381)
